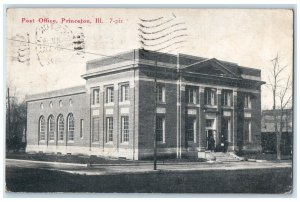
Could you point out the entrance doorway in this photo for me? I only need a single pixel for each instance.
(225, 134)
(210, 130)
(210, 139)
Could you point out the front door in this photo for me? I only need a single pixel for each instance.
(225, 133)
(210, 139)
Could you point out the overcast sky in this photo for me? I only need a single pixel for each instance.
(250, 38)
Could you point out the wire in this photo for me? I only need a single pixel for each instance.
(69, 49)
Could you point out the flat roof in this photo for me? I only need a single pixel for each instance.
(56, 93)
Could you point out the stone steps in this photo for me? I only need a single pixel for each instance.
(224, 157)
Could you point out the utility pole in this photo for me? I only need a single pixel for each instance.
(8, 118)
(180, 107)
(155, 107)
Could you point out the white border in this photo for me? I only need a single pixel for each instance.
(148, 3)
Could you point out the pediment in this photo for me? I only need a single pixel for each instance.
(211, 67)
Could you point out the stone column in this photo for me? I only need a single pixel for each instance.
(219, 116)
(182, 116)
(201, 132)
(234, 121)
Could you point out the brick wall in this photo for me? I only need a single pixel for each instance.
(79, 109)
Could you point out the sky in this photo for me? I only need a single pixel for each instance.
(250, 38)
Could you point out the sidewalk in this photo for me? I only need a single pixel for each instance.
(145, 167)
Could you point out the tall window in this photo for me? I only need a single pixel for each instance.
(96, 96)
(190, 95)
(95, 131)
(160, 129)
(81, 128)
(42, 128)
(51, 127)
(226, 98)
(109, 94)
(160, 93)
(109, 129)
(247, 131)
(247, 102)
(210, 96)
(191, 128)
(124, 92)
(209, 123)
(60, 127)
(71, 127)
(125, 129)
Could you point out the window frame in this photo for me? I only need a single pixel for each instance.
(44, 126)
(51, 128)
(191, 131)
(191, 95)
(97, 121)
(124, 92)
(160, 133)
(95, 96)
(109, 133)
(81, 128)
(227, 98)
(124, 131)
(247, 101)
(248, 126)
(160, 93)
(70, 133)
(109, 94)
(210, 96)
(60, 125)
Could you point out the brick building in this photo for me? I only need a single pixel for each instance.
(190, 103)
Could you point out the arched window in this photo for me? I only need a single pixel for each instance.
(51, 127)
(60, 103)
(70, 127)
(42, 128)
(60, 127)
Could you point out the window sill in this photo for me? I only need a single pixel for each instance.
(109, 143)
(211, 106)
(95, 105)
(160, 142)
(71, 141)
(51, 141)
(60, 141)
(124, 143)
(109, 104)
(193, 105)
(96, 142)
(227, 107)
(124, 103)
(42, 141)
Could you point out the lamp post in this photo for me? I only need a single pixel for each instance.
(155, 108)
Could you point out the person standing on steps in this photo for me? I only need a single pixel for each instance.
(211, 143)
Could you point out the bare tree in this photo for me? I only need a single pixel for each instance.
(284, 99)
(15, 121)
(280, 92)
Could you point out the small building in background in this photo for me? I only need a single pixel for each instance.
(268, 132)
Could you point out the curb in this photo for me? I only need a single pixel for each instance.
(48, 162)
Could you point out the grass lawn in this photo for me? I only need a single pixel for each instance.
(263, 156)
(65, 158)
(275, 180)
